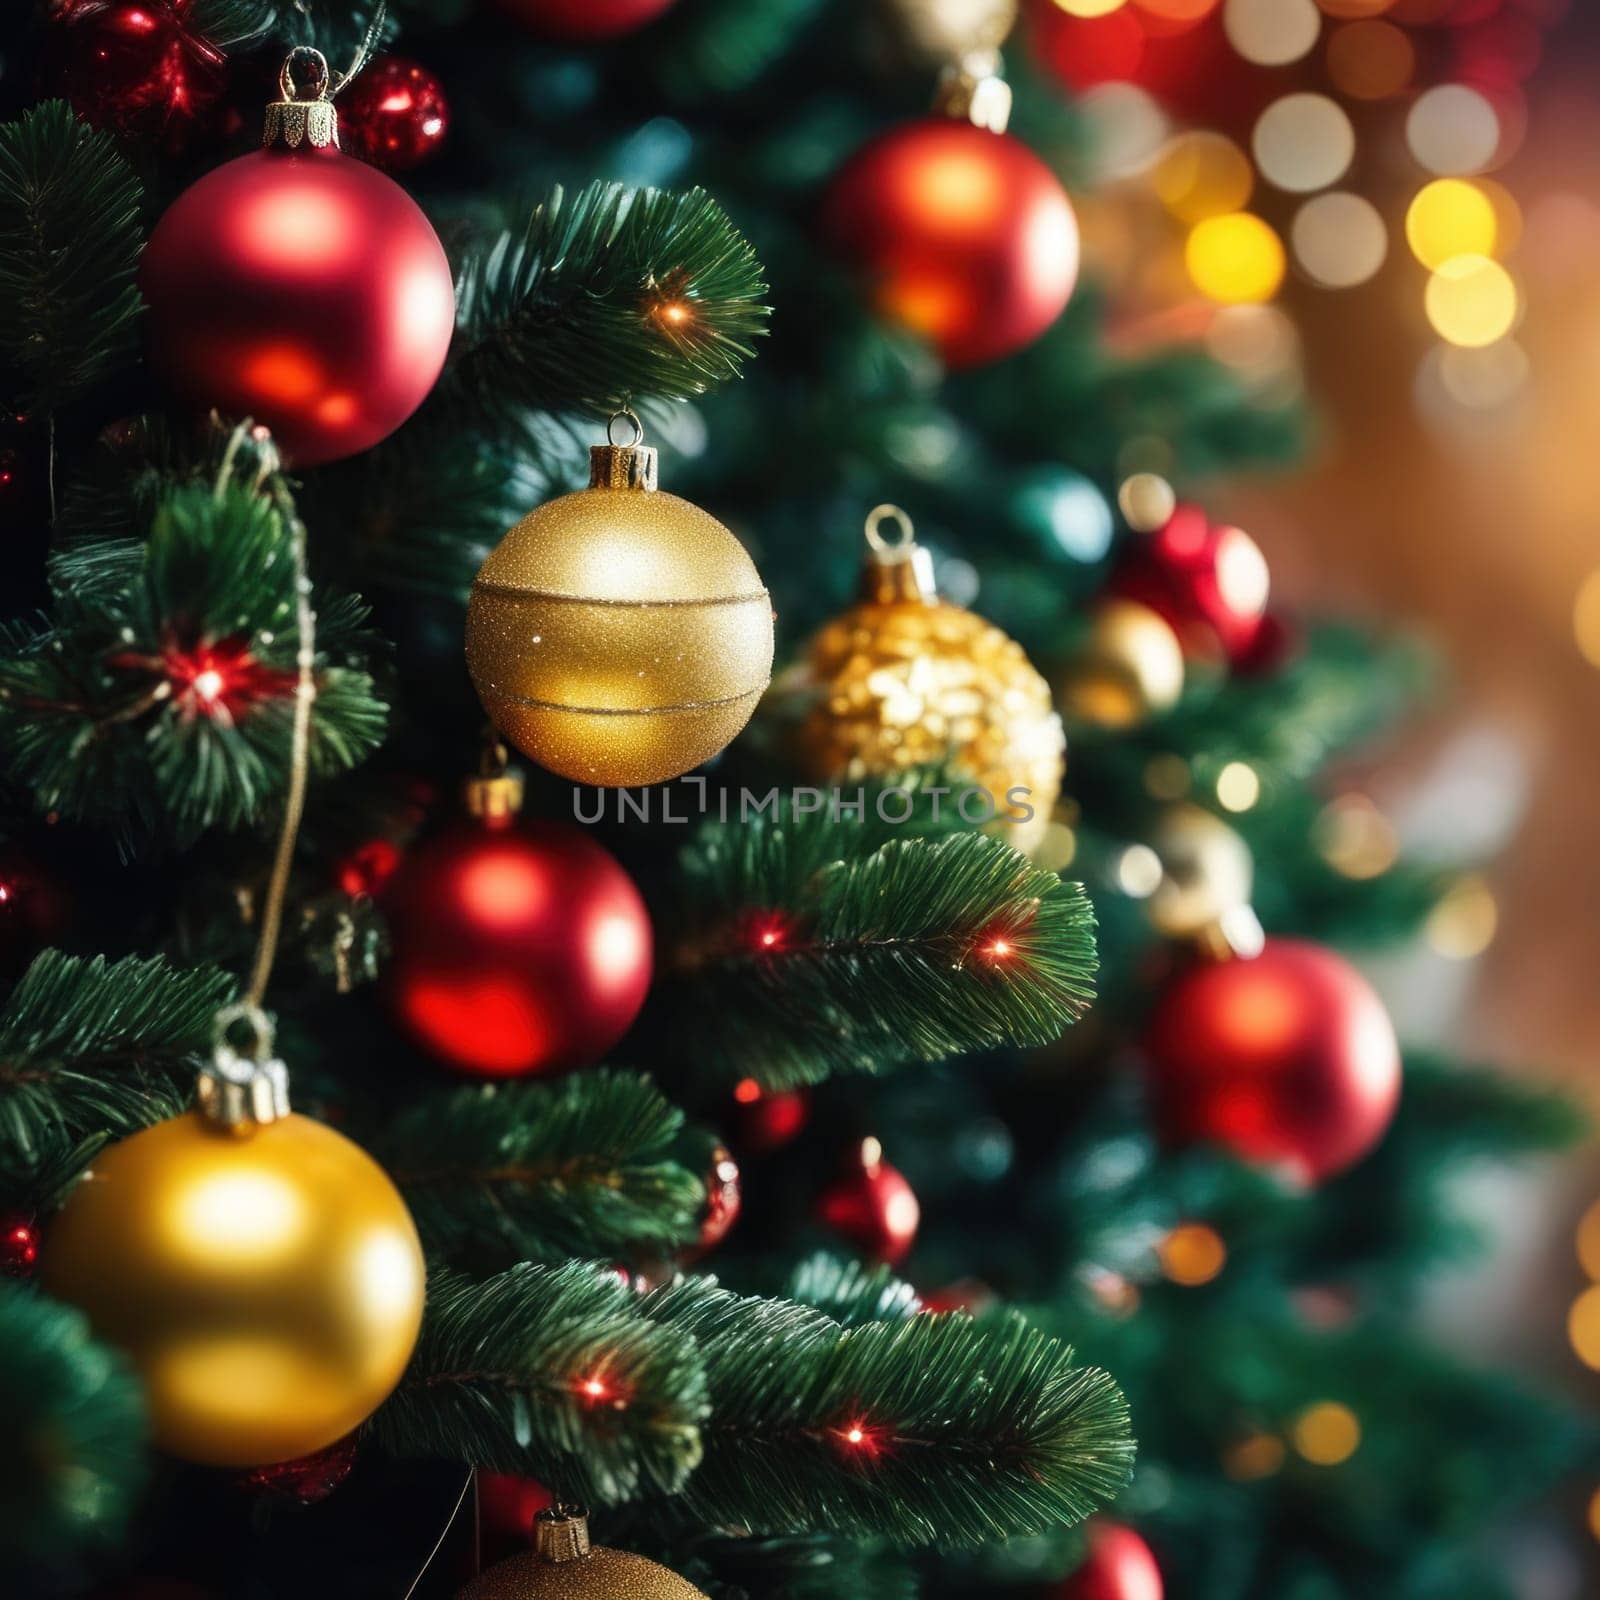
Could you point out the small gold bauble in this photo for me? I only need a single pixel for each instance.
(619, 636)
(1127, 669)
(905, 680)
(267, 1283)
(1208, 873)
(563, 1565)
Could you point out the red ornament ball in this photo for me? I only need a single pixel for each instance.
(19, 1247)
(302, 288)
(138, 68)
(586, 19)
(962, 235)
(517, 949)
(508, 1503)
(1288, 1060)
(724, 1196)
(307, 1479)
(1210, 583)
(764, 1121)
(1118, 1566)
(873, 1207)
(394, 114)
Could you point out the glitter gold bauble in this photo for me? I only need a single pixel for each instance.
(1127, 669)
(619, 636)
(563, 1565)
(905, 680)
(1208, 873)
(267, 1282)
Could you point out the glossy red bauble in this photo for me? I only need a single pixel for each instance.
(961, 235)
(394, 114)
(724, 1197)
(586, 19)
(307, 1480)
(1209, 582)
(507, 1505)
(766, 1120)
(1288, 1060)
(517, 949)
(873, 1207)
(1118, 1566)
(138, 68)
(304, 289)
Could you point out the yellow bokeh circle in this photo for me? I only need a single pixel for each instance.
(1235, 259)
(1472, 301)
(1451, 218)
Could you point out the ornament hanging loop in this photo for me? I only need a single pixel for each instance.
(303, 115)
(319, 75)
(628, 416)
(623, 466)
(561, 1533)
(242, 1089)
(897, 569)
(494, 794)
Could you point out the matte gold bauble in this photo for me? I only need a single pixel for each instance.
(1127, 669)
(905, 680)
(563, 1565)
(1208, 873)
(267, 1282)
(619, 636)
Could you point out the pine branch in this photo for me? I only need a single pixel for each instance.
(612, 294)
(928, 1431)
(89, 1046)
(70, 240)
(107, 711)
(920, 949)
(72, 1417)
(554, 1372)
(851, 1292)
(582, 1167)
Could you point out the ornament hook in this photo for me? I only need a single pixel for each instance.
(303, 116)
(241, 1090)
(629, 415)
(321, 80)
(630, 465)
(887, 513)
(898, 569)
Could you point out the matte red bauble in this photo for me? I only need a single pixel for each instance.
(1210, 583)
(962, 235)
(508, 1503)
(586, 19)
(1118, 1566)
(305, 289)
(138, 68)
(1287, 1059)
(873, 1207)
(394, 115)
(517, 948)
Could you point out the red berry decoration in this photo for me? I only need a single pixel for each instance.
(517, 948)
(962, 235)
(19, 1247)
(1287, 1059)
(138, 68)
(1119, 1566)
(873, 1207)
(394, 114)
(586, 19)
(1210, 583)
(308, 1479)
(301, 287)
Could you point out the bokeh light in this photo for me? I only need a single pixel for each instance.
(1139, 872)
(1345, 9)
(1327, 1434)
(1371, 60)
(1304, 142)
(1589, 1242)
(1453, 130)
(1256, 1456)
(1201, 175)
(1463, 923)
(1483, 379)
(1586, 623)
(1193, 1254)
(1355, 838)
(1339, 240)
(1272, 33)
(1175, 16)
(1472, 301)
(1451, 218)
(1235, 259)
(1090, 8)
(1258, 342)
(1583, 1328)
(1238, 787)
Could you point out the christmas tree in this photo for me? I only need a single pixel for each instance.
(673, 1067)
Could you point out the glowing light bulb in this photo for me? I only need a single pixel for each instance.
(208, 685)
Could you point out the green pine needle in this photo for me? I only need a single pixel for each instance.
(70, 240)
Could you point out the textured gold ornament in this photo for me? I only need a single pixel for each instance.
(619, 636)
(1127, 669)
(267, 1281)
(904, 679)
(1207, 873)
(563, 1565)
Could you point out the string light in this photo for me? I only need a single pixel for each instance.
(1238, 786)
(1193, 1254)
(747, 1091)
(1328, 1434)
(1235, 259)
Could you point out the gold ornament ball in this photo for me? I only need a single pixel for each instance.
(905, 680)
(619, 636)
(1208, 873)
(1128, 668)
(267, 1284)
(563, 1565)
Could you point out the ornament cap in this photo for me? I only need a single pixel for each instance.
(243, 1090)
(302, 116)
(623, 466)
(561, 1534)
(494, 793)
(975, 92)
(899, 569)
